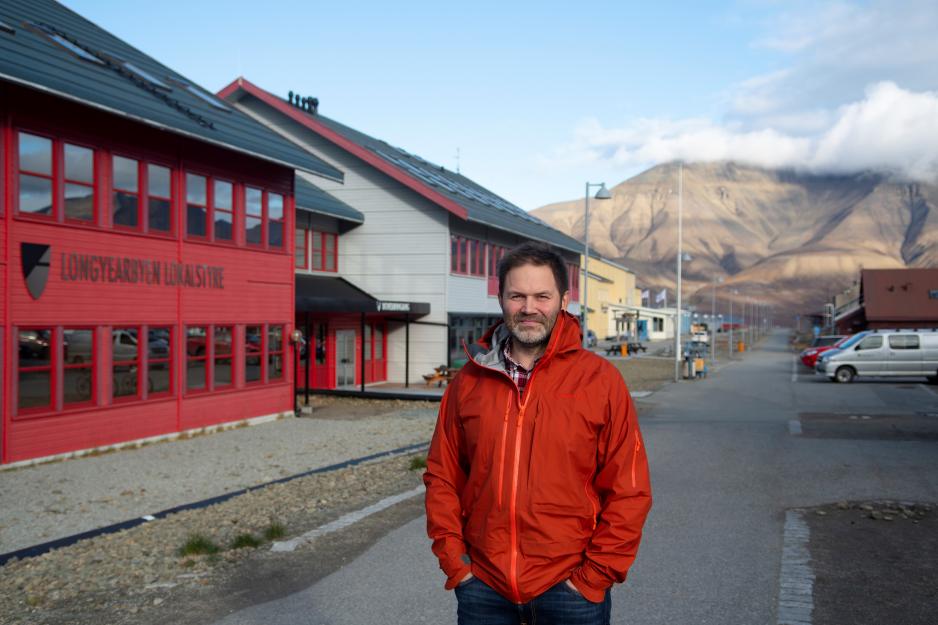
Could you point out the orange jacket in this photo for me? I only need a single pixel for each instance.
(538, 488)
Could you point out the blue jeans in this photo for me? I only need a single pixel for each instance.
(558, 605)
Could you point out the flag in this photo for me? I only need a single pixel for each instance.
(662, 297)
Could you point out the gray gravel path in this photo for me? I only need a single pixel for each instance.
(50, 501)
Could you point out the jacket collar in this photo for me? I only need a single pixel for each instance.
(565, 337)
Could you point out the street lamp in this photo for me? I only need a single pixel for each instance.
(680, 255)
(713, 315)
(601, 194)
(729, 349)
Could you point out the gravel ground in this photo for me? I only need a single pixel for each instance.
(116, 578)
(49, 501)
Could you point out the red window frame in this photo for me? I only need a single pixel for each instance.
(168, 360)
(259, 217)
(20, 410)
(187, 203)
(135, 362)
(138, 193)
(194, 355)
(573, 272)
(51, 176)
(223, 356)
(66, 181)
(215, 208)
(151, 196)
(251, 352)
(271, 222)
(477, 260)
(330, 261)
(272, 353)
(453, 253)
(301, 261)
(76, 366)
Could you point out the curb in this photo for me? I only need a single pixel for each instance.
(38, 550)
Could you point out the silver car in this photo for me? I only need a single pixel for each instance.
(883, 353)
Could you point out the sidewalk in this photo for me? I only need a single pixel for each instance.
(49, 501)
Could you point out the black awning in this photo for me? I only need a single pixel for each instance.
(337, 295)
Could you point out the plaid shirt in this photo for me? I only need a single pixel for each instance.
(518, 373)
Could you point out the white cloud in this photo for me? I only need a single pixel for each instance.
(890, 129)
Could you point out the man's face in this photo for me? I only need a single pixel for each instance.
(530, 302)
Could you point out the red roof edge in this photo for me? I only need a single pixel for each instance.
(351, 147)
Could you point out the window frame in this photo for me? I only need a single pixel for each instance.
(168, 360)
(113, 190)
(173, 194)
(19, 172)
(92, 365)
(184, 204)
(268, 220)
(137, 362)
(213, 208)
(204, 357)
(51, 368)
(269, 354)
(260, 353)
(229, 356)
(93, 185)
(262, 217)
(307, 255)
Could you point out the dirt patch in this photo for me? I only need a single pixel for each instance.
(875, 562)
(352, 408)
(645, 374)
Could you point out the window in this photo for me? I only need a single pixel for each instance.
(904, 341)
(223, 210)
(275, 220)
(126, 192)
(379, 343)
(79, 183)
(253, 216)
(224, 353)
(330, 250)
(196, 206)
(196, 367)
(870, 342)
(159, 198)
(573, 273)
(463, 253)
(34, 387)
(253, 353)
(159, 361)
(78, 368)
(274, 353)
(125, 349)
(317, 250)
(453, 254)
(368, 342)
(321, 344)
(35, 177)
(300, 254)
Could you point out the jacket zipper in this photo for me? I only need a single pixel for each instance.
(501, 454)
(593, 502)
(638, 446)
(513, 508)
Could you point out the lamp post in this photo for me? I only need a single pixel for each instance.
(713, 316)
(729, 350)
(601, 194)
(680, 252)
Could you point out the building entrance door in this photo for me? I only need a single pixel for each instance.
(345, 358)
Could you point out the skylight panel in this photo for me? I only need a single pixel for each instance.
(145, 75)
(7, 28)
(210, 99)
(68, 45)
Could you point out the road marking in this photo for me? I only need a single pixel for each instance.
(794, 427)
(926, 388)
(796, 580)
(345, 520)
(794, 368)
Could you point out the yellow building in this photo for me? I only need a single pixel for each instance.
(608, 283)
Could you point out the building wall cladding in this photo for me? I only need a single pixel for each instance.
(256, 287)
(400, 253)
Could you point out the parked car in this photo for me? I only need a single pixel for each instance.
(883, 353)
(818, 346)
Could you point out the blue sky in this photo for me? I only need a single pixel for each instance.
(541, 96)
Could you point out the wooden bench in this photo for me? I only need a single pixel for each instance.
(440, 375)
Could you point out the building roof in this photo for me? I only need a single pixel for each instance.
(900, 294)
(453, 192)
(311, 198)
(55, 50)
(334, 294)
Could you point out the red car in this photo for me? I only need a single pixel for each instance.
(820, 345)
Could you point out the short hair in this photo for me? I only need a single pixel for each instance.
(537, 254)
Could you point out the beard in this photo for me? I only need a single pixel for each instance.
(531, 335)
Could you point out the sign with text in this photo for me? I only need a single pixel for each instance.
(77, 267)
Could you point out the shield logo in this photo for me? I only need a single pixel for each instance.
(36, 259)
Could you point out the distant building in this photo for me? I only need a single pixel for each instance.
(888, 298)
(609, 283)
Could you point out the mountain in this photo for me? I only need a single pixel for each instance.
(782, 237)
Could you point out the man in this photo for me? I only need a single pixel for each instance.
(537, 479)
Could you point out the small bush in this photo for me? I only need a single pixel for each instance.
(197, 545)
(275, 531)
(245, 540)
(418, 462)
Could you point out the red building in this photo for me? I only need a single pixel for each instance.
(888, 298)
(148, 249)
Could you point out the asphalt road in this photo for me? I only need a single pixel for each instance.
(726, 463)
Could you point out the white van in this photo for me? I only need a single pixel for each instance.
(884, 353)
